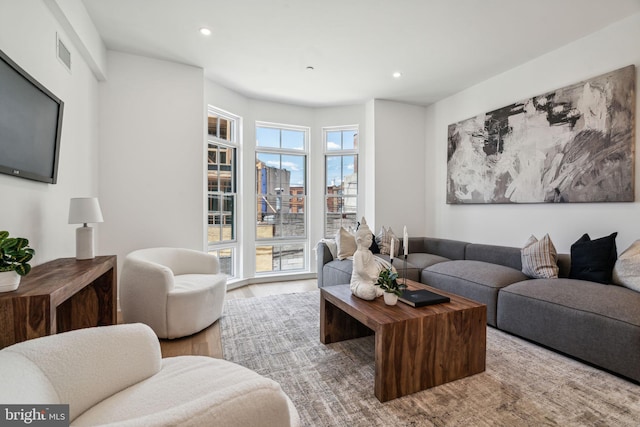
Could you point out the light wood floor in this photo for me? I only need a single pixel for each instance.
(208, 341)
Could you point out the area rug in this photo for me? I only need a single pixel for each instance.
(523, 385)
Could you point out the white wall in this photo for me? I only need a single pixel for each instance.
(400, 167)
(609, 49)
(152, 155)
(36, 210)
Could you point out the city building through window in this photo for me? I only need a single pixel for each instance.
(281, 197)
(222, 193)
(341, 179)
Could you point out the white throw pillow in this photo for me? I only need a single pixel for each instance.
(539, 258)
(346, 243)
(626, 271)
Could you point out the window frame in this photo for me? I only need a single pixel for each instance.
(234, 142)
(278, 242)
(355, 152)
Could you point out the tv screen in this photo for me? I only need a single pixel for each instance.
(30, 125)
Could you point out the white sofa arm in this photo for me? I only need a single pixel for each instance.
(144, 286)
(86, 366)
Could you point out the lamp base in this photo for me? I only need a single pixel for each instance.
(84, 243)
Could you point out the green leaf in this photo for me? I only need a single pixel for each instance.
(15, 254)
(8, 243)
(24, 257)
(21, 243)
(23, 269)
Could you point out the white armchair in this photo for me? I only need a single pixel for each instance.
(177, 292)
(115, 375)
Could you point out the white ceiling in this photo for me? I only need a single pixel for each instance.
(261, 48)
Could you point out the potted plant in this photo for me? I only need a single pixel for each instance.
(388, 283)
(15, 255)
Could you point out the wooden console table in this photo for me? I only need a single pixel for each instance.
(59, 296)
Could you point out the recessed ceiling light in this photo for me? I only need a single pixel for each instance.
(397, 75)
(205, 31)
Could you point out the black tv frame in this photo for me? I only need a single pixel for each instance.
(56, 157)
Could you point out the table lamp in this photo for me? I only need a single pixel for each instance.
(84, 210)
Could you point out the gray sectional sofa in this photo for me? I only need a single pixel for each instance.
(596, 323)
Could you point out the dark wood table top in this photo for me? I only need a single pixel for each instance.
(376, 312)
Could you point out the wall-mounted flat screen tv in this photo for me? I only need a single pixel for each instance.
(30, 125)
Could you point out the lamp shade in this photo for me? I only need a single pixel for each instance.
(84, 210)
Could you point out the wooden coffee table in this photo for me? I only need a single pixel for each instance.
(415, 348)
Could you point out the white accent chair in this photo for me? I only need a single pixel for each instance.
(176, 291)
(115, 375)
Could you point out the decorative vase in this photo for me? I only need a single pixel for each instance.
(390, 298)
(9, 281)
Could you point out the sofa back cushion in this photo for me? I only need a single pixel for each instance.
(451, 249)
(564, 264)
(501, 255)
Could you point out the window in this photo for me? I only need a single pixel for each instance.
(222, 173)
(341, 179)
(281, 197)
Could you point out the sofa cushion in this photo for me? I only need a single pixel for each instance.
(595, 323)
(477, 280)
(626, 271)
(593, 260)
(422, 261)
(539, 258)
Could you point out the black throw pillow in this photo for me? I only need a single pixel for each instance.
(593, 259)
(374, 245)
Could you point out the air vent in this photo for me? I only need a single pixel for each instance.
(64, 55)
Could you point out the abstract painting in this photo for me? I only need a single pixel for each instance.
(574, 144)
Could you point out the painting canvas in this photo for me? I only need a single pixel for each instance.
(574, 144)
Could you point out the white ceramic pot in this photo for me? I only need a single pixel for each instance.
(9, 281)
(390, 299)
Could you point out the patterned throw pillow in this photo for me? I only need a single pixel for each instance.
(346, 243)
(539, 258)
(383, 239)
(626, 271)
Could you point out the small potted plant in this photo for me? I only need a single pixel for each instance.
(15, 255)
(388, 283)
